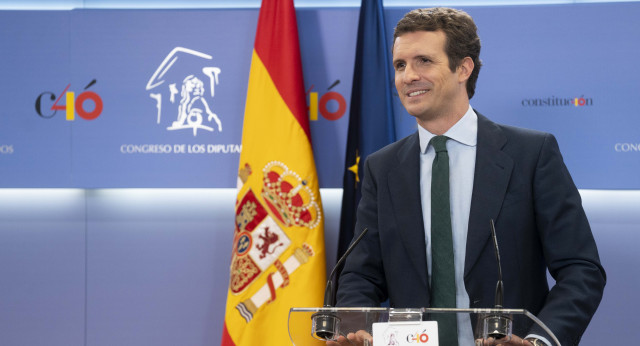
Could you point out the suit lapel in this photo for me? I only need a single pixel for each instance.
(491, 178)
(404, 188)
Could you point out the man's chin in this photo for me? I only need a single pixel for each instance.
(416, 113)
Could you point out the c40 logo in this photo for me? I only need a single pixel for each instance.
(419, 338)
(72, 104)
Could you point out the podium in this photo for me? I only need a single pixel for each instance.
(341, 321)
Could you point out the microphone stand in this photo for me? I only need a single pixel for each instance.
(325, 324)
(497, 326)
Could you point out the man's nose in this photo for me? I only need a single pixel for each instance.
(410, 74)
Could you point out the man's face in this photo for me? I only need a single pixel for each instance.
(427, 87)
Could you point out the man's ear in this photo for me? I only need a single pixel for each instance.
(465, 68)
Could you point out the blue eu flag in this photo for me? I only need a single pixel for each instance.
(371, 121)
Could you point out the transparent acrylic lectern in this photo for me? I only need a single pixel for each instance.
(308, 326)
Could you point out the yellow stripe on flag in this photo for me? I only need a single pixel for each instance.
(270, 126)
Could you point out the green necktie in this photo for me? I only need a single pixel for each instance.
(443, 282)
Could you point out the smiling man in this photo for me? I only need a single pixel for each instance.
(429, 89)
(428, 199)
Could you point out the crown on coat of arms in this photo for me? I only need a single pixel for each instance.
(289, 197)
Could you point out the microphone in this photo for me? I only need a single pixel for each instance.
(497, 326)
(325, 324)
(499, 286)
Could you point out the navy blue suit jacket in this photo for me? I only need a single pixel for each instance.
(522, 183)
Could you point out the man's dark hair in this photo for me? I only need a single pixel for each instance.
(460, 30)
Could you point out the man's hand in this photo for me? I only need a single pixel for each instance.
(359, 338)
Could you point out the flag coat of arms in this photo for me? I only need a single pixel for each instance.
(278, 257)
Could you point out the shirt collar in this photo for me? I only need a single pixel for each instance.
(465, 131)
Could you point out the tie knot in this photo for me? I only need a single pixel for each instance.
(439, 143)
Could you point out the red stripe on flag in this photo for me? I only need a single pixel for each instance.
(226, 338)
(278, 47)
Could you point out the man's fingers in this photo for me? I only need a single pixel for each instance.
(340, 341)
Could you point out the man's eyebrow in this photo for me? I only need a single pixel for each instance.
(427, 56)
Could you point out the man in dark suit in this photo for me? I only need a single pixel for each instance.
(514, 176)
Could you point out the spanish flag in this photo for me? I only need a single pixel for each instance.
(278, 257)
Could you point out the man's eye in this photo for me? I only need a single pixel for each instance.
(399, 66)
(425, 60)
